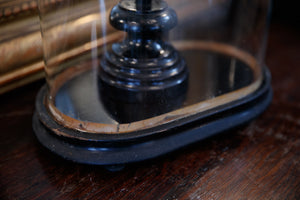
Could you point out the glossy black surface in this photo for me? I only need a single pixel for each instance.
(211, 75)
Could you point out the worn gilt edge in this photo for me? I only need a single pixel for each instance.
(100, 128)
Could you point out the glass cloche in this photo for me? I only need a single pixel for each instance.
(129, 80)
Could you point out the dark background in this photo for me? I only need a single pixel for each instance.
(286, 11)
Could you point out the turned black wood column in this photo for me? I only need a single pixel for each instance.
(143, 69)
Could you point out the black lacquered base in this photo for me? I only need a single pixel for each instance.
(112, 149)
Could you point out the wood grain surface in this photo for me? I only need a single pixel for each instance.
(260, 160)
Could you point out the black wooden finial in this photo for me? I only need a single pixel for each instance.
(143, 68)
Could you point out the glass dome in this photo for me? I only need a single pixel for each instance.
(121, 66)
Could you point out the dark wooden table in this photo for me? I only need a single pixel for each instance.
(258, 161)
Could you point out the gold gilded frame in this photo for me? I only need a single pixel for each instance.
(20, 44)
(21, 51)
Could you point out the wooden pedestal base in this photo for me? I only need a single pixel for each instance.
(113, 149)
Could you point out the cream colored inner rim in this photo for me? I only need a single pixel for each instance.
(92, 127)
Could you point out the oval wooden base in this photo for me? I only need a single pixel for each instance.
(114, 149)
